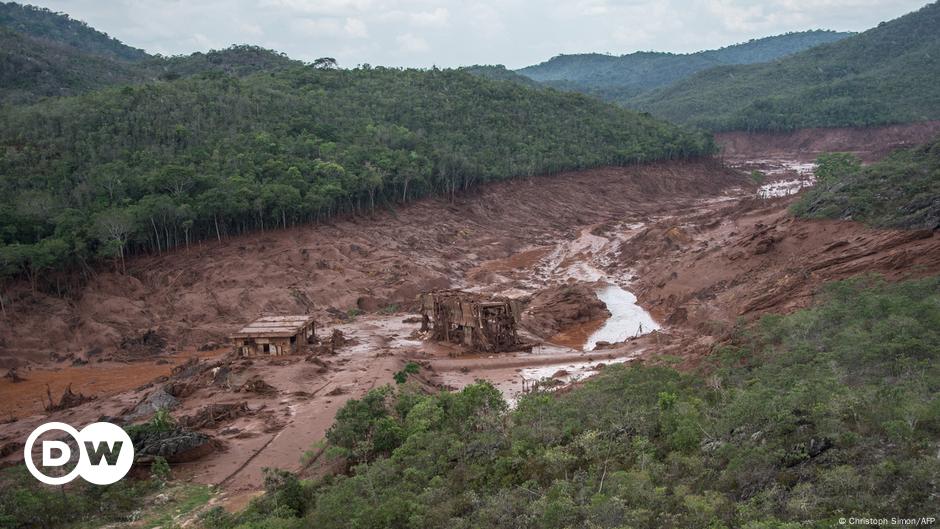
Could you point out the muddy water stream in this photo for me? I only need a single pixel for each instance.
(584, 260)
(627, 319)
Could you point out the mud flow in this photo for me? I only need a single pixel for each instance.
(611, 265)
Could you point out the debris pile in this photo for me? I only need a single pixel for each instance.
(13, 376)
(338, 339)
(257, 385)
(146, 344)
(68, 399)
(212, 415)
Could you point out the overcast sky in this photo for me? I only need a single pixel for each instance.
(452, 33)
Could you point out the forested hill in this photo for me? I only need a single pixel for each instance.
(57, 28)
(47, 54)
(888, 74)
(31, 69)
(618, 78)
(498, 72)
(150, 167)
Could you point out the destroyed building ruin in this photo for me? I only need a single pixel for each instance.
(275, 335)
(481, 323)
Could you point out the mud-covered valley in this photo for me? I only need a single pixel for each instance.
(613, 265)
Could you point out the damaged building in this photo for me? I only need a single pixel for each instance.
(275, 335)
(481, 323)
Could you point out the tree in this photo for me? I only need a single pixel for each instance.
(835, 166)
(114, 226)
(325, 63)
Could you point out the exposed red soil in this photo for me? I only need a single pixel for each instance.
(576, 335)
(204, 293)
(689, 239)
(103, 379)
(752, 257)
(572, 308)
(870, 143)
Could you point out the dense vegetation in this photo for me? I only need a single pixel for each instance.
(149, 152)
(900, 191)
(833, 411)
(499, 72)
(31, 69)
(619, 78)
(887, 74)
(58, 28)
(163, 164)
(45, 54)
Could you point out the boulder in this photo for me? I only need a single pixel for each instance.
(158, 399)
(176, 445)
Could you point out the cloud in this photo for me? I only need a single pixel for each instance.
(437, 18)
(411, 43)
(318, 7)
(454, 33)
(356, 28)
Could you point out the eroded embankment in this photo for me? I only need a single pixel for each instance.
(869, 143)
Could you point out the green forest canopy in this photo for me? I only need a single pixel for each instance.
(619, 78)
(165, 163)
(46, 54)
(888, 74)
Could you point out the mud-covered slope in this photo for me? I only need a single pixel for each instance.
(203, 293)
(706, 269)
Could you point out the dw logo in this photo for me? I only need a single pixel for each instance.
(105, 453)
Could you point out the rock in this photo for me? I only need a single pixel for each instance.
(764, 245)
(561, 373)
(677, 236)
(257, 385)
(158, 399)
(176, 445)
(179, 389)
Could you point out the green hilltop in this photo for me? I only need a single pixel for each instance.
(888, 74)
(619, 78)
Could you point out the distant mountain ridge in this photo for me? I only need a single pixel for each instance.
(888, 74)
(48, 54)
(619, 78)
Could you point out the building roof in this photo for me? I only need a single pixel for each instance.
(274, 326)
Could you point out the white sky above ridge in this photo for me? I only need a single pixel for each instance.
(424, 33)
